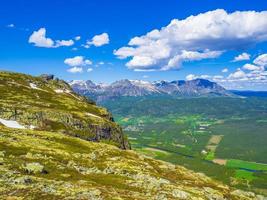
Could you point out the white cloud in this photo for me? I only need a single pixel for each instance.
(214, 32)
(193, 76)
(75, 70)
(11, 25)
(252, 76)
(86, 46)
(77, 61)
(190, 77)
(89, 69)
(225, 70)
(77, 38)
(98, 40)
(241, 57)
(67, 43)
(261, 60)
(218, 77)
(238, 74)
(251, 67)
(145, 76)
(185, 56)
(88, 62)
(101, 63)
(39, 39)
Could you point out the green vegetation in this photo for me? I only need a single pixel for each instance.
(51, 105)
(210, 156)
(47, 165)
(246, 165)
(244, 175)
(203, 134)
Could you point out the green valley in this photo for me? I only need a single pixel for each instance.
(217, 136)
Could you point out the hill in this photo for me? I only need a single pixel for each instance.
(46, 103)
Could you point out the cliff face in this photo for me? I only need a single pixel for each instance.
(45, 103)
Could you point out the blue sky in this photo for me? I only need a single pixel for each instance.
(124, 20)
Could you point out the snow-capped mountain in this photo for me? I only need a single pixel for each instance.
(125, 87)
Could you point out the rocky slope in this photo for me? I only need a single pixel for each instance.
(45, 103)
(193, 88)
(45, 165)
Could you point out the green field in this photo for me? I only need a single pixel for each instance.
(246, 165)
(194, 132)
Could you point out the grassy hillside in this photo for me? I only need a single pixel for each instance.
(45, 103)
(45, 165)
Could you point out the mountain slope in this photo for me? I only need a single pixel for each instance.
(45, 103)
(41, 164)
(193, 88)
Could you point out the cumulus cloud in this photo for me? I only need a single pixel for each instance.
(254, 73)
(77, 61)
(251, 67)
(67, 43)
(204, 36)
(225, 70)
(241, 57)
(75, 70)
(39, 39)
(261, 60)
(77, 38)
(238, 74)
(11, 25)
(190, 77)
(98, 40)
(176, 61)
(251, 75)
(89, 69)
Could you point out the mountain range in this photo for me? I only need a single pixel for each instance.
(125, 87)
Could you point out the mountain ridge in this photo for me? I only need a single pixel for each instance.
(125, 87)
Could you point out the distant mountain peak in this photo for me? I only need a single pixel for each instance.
(125, 87)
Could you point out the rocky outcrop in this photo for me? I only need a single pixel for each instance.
(48, 104)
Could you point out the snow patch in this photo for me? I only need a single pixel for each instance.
(33, 86)
(78, 82)
(144, 84)
(11, 124)
(92, 115)
(67, 92)
(62, 91)
(59, 91)
(32, 127)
